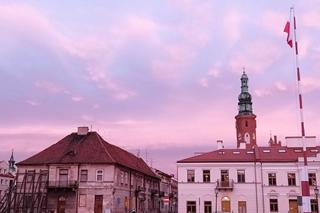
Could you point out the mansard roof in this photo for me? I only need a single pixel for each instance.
(87, 149)
(258, 154)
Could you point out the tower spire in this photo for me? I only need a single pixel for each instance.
(11, 162)
(245, 120)
(245, 100)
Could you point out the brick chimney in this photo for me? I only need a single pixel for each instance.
(83, 130)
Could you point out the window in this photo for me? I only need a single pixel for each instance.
(273, 205)
(291, 179)
(99, 175)
(82, 200)
(207, 207)
(44, 175)
(312, 179)
(83, 175)
(224, 176)
(191, 207)
(272, 179)
(126, 178)
(190, 175)
(121, 177)
(241, 176)
(206, 176)
(63, 177)
(314, 205)
(30, 175)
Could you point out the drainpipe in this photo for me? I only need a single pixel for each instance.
(77, 192)
(262, 188)
(255, 179)
(130, 198)
(255, 185)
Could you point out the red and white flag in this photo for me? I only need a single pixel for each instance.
(287, 30)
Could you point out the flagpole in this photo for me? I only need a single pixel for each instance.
(305, 188)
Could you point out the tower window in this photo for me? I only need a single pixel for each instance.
(246, 123)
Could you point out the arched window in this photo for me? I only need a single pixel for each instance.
(225, 204)
(246, 123)
(247, 138)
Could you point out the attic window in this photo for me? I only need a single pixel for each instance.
(266, 150)
(297, 150)
(282, 150)
(221, 153)
(249, 152)
(236, 152)
(71, 153)
(313, 150)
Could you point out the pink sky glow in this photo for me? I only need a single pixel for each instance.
(161, 77)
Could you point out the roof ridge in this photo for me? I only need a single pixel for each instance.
(105, 149)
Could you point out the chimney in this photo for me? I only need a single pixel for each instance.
(275, 139)
(83, 130)
(220, 144)
(242, 145)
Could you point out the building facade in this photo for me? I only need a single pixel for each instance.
(82, 173)
(168, 192)
(248, 178)
(6, 177)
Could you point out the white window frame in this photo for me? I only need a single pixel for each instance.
(98, 171)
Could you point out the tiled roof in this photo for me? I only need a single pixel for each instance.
(87, 149)
(259, 154)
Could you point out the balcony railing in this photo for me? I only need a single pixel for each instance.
(225, 184)
(70, 184)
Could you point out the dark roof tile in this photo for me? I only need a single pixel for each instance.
(90, 149)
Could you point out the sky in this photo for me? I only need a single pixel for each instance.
(158, 78)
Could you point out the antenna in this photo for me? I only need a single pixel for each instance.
(146, 155)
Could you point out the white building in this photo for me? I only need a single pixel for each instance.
(248, 178)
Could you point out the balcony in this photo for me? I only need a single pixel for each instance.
(70, 184)
(225, 185)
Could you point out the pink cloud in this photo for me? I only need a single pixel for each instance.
(50, 87)
(269, 18)
(76, 98)
(310, 84)
(262, 92)
(311, 19)
(257, 56)
(175, 62)
(280, 86)
(232, 26)
(32, 102)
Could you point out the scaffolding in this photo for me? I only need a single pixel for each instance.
(27, 193)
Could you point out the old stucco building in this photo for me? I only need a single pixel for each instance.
(83, 173)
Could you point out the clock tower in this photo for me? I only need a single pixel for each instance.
(245, 120)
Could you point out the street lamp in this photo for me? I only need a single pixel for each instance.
(216, 192)
(316, 192)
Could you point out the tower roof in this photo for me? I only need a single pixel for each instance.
(245, 100)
